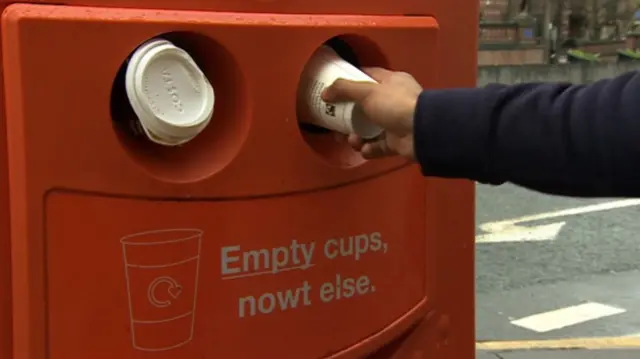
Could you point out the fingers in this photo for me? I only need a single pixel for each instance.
(347, 91)
(377, 149)
(370, 150)
(377, 73)
(356, 142)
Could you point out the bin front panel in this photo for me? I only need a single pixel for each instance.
(382, 7)
(302, 276)
(83, 200)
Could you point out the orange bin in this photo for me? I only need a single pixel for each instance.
(258, 239)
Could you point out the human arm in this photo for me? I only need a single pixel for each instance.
(563, 139)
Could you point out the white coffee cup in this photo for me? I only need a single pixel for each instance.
(324, 67)
(168, 92)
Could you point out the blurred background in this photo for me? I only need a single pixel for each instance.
(564, 268)
(516, 32)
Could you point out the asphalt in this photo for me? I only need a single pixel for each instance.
(595, 258)
(593, 243)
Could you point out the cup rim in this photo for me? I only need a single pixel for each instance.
(190, 233)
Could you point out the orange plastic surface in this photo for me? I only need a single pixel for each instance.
(5, 242)
(79, 187)
(205, 285)
(352, 7)
(6, 338)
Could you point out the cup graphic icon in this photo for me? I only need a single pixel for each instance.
(161, 269)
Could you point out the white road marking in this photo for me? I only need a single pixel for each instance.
(545, 232)
(565, 317)
(605, 206)
(511, 230)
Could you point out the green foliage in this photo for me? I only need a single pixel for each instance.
(630, 53)
(583, 56)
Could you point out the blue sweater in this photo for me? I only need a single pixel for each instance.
(557, 138)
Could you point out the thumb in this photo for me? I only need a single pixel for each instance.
(348, 91)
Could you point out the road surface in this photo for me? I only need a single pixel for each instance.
(555, 268)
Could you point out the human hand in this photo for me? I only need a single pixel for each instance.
(390, 104)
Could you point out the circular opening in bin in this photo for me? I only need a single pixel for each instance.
(216, 145)
(329, 145)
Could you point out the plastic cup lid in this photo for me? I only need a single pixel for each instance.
(171, 96)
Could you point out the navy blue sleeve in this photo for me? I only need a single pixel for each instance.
(556, 138)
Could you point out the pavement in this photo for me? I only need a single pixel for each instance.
(562, 354)
(556, 277)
